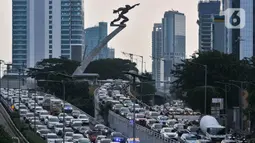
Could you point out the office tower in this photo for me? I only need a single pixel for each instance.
(157, 43)
(111, 53)
(205, 11)
(44, 28)
(174, 42)
(93, 35)
(241, 41)
(219, 34)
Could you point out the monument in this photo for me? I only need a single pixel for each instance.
(79, 72)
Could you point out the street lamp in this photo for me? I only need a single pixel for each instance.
(205, 68)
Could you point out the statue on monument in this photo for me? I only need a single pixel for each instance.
(121, 11)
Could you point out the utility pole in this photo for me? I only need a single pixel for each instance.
(19, 88)
(8, 82)
(134, 101)
(63, 110)
(70, 27)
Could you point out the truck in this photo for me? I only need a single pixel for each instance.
(211, 128)
(55, 106)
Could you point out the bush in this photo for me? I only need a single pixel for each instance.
(32, 137)
(14, 115)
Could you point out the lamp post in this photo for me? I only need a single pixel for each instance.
(1, 61)
(205, 78)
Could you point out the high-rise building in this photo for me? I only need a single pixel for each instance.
(45, 28)
(174, 42)
(93, 35)
(206, 9)
(219, 34)
(111, 53)
(157, 52)
(241, 42)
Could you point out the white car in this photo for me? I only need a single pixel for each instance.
(68, 135)
(84, 118)
(23, 112)
(52, 121)
(188, 138)
(68, 120)
(76, 137)
(61, 116)
(169, 133)
(58, 128)
(38, 109)
(43, 114)
(51, 137)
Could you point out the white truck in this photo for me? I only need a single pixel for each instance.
(212, 129)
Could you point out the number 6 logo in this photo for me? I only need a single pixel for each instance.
(234, 18)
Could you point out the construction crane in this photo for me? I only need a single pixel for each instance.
(131, 55)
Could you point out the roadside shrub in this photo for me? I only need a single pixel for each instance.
(32, 137)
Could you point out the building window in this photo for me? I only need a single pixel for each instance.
(50, 22)
(50, 51)
(50, 41)
(50, 17)
(50, 31)
(50, 2)
(50, 12)
(50, 36)
(50, 47)
(50, 56)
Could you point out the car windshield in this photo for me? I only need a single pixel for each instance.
(216, 131)
(157, 126)
(84, 140)
(124, 110)
(191, 138)
(117, 134)
(118, 106)
(155, 114)
(23, 112)
(53, 119)
(193, 129)
(52, 136)
(106, 141)
(77, 124)
(100, 126)
(69, 134)
(77, 136)
(152, 121)
(168, 130)
(164, 118)
(83, 117)
(59, 126)
(68, 130)
(68, 119)
(139, 115)
(43, 113)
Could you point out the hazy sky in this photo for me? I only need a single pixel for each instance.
(135, 38)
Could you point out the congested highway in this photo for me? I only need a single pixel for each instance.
(171, 122)
(56, 121)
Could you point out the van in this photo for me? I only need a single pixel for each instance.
(39, 99)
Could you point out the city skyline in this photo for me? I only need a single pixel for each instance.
(125, 40)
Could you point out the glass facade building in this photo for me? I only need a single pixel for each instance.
(174, 42)
(205, 11)
(93, 35)
(19, 32)
(46, 29)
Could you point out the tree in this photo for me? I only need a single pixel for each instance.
(220, 67)
(111, 68)
(4, 136)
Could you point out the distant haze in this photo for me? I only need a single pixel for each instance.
(136, 38)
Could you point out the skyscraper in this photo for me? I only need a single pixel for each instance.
(44, 29)
(219, 34)
(174, 42)
(111, 53)
(157, 43)
(205, 11)
(93, 35)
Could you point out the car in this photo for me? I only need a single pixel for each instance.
(187, 138)
(75, 113)
(116, 107)
(76, 137)
(150, 122)
(156, 127)
(83, 140)
(23, 112)
(58, 128)
(153, 115)
(28, 116)
(68, 108)
(107, 140)
(124, 111)
(83, 129)
(52, 121)
(162, 119)
(102, 128)
(67, 129)
(40, 127)
(68, 120)
(169, 132)
(99, 137)
(76, 125)
(68, 135)
(51, 137)
(130, 116)
(140, 118)
(43, 114)
(61, 116)
(33, 123)
(43, 133)
(127, 103)
(117, 137)
(84, 118)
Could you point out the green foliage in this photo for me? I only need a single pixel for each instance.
(111, 68)
(4, 136)
(32, 137)
(221, 67)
